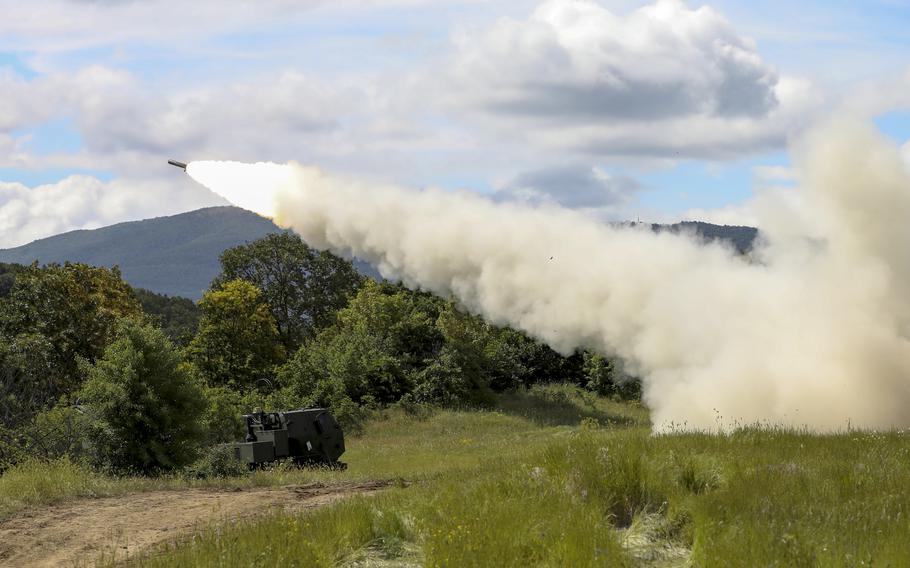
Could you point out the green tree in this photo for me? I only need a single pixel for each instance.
(498, 358)
(303, 287)
(602, 376)
(30, 379)
(75, 307)
(237, 343)
(371, 353)
(177, 317)
(599, 373)
(145, 405)
(8, 274)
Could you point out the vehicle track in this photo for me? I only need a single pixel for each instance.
(82, 531)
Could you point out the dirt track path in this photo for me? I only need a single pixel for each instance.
(81, 531)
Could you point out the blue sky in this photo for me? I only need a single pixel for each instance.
(670, 109)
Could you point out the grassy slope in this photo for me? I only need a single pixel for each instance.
(535, 484)
(529, 487)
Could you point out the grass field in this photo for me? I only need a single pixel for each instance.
(557, 478)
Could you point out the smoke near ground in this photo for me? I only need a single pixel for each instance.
(813, 331)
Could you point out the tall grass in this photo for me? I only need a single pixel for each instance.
(588, 495)
(587, 485)
(36, 482)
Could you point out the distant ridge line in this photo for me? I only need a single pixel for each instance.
(178, 254)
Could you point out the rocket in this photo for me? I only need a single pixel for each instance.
(180, 165)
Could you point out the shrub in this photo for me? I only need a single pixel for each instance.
(146, 407)
(217, 461)
(223, 418)
(61, 431)
(442, 383)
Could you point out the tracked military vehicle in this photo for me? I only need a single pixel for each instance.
(307, 436)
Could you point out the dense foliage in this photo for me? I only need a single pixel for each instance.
(8, 274)
(145, 405)
(303, 287)
(237, 343)
(54, 317)
(177, 317)
(153, 378)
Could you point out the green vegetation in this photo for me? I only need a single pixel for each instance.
(237, 342)
(282, 327)
(303, 287)
(553, 476)
(8, 274)
(177, 317)
(53, 318)
(501, 451)
(558, 477)
(144, 406)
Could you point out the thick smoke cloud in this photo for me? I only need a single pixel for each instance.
(813, 331)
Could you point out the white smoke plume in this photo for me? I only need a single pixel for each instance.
(813, 331)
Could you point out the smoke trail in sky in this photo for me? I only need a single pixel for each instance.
(812, 330)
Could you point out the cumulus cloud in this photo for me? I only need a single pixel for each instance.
(125, 123)
(233, 118)
(24, 102)
(573, 83)
(573, 186)
(86, 202)
(664, 80)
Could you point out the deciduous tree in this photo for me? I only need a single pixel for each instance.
(237, 343)
(303, 287)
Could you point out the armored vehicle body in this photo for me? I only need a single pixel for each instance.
(309, 435)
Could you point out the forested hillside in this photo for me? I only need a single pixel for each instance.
(742, 238)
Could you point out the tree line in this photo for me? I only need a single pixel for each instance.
(133, 381)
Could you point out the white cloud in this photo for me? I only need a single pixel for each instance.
(85, 202)
(877, 96)
(577, 187)
(235, 118)
(124, 121)
(773, 174)
(662, 81)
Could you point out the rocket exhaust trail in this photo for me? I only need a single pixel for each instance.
(812, 332)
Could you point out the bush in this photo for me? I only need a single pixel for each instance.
(442, 383)
(61, 431)
(217, 461)
(223, 418)
(602, 376)
(146, 407)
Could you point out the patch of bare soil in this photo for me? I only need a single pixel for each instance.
(78, 532)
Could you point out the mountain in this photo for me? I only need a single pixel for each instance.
(742, 238)
(178, 255)
(175, 255)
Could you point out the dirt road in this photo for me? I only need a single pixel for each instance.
(82, 531)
